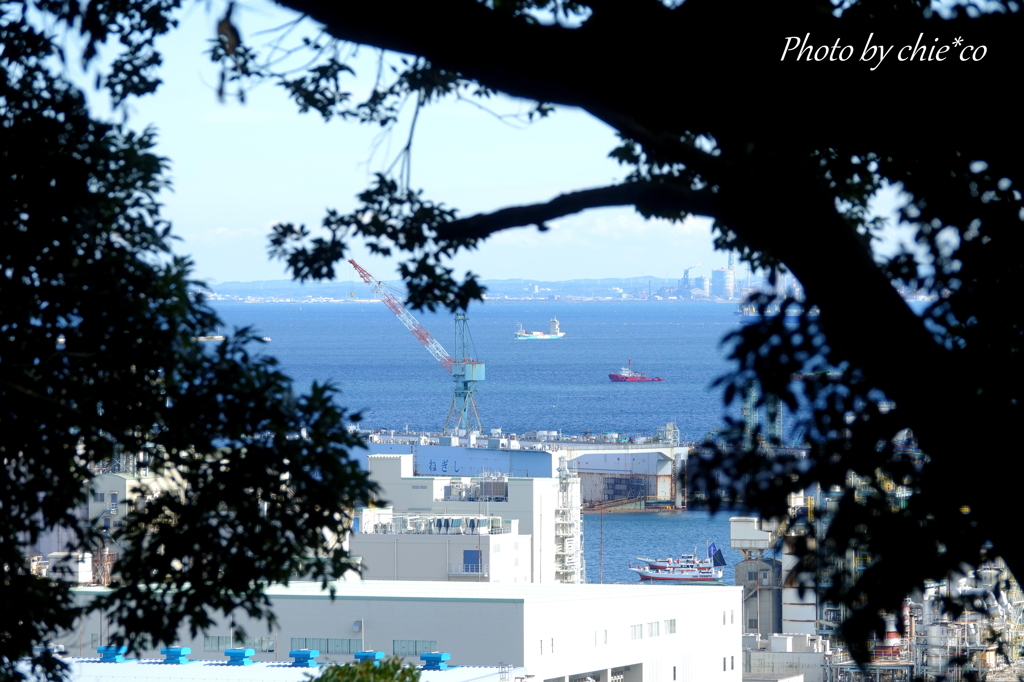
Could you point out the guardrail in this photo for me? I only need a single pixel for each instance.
(481, 570)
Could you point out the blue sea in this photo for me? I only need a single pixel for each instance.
(385, 374)
(562, 385)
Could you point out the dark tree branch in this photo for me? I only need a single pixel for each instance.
(646, 196)
(769, 98)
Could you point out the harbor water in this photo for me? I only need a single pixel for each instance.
(560, 385)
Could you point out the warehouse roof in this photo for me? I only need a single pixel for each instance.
(409, 590)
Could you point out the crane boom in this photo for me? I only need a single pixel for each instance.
(403, 314)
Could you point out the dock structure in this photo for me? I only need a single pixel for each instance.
(610, 466)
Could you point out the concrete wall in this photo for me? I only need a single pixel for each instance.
(809, 664)
(799, 611)
(762, 600)
(428, 557)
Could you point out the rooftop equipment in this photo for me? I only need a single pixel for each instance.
(375, 656)
(435, 660)
(303, 658)
(239, 656)
(112, 654)
(176, 655)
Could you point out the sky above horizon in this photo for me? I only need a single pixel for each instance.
(237, 169)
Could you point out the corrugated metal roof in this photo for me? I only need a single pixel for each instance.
(91, 670)
(478, 591)
(465, 591)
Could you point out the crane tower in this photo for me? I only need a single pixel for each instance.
(465, 371)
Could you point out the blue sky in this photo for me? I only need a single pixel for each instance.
(239, 168)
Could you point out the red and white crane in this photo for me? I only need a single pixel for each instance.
(466, 371)
(380, 290)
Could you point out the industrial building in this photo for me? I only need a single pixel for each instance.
(490, 528)
(786, 630)
(723, 283)
(610, 467)
(563, 633)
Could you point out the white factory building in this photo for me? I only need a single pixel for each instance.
(563, 633)
(491, 528)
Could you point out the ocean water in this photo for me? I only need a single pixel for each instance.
(386, 375)
(613, 541)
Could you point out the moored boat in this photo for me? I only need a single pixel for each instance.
(686, 569)
(678, 575)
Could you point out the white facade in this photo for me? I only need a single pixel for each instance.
(532, 501)
(395, 548)
(113, 495)
(633, 633)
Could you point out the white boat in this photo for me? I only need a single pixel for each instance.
(678, 575)
(684, 561)
(686, 569)
(554, 332)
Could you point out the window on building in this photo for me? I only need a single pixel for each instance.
(605, 636)
(637, 631)
(723, 664)
(552, 645)
(732, 617)
(653, 629)
(723, 617)
(732, 663)
(752, 623)
(98, 497)
(322, 644)
(542, 647)
(670, 627)
(95, 639)
(216, 642)
(413, 647)
(673, 673)
(751, 575)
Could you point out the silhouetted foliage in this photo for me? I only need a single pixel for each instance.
(388, 670)
(100, 361)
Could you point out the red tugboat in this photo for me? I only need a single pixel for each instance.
(627, 373)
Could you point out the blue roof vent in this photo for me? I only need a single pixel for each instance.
(239, 656)
(304, 658)
(435, 660)
(375, 656)
(176, 655)
(112, 654)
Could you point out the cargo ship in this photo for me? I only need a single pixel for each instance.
(554, 332)
(627, 373)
